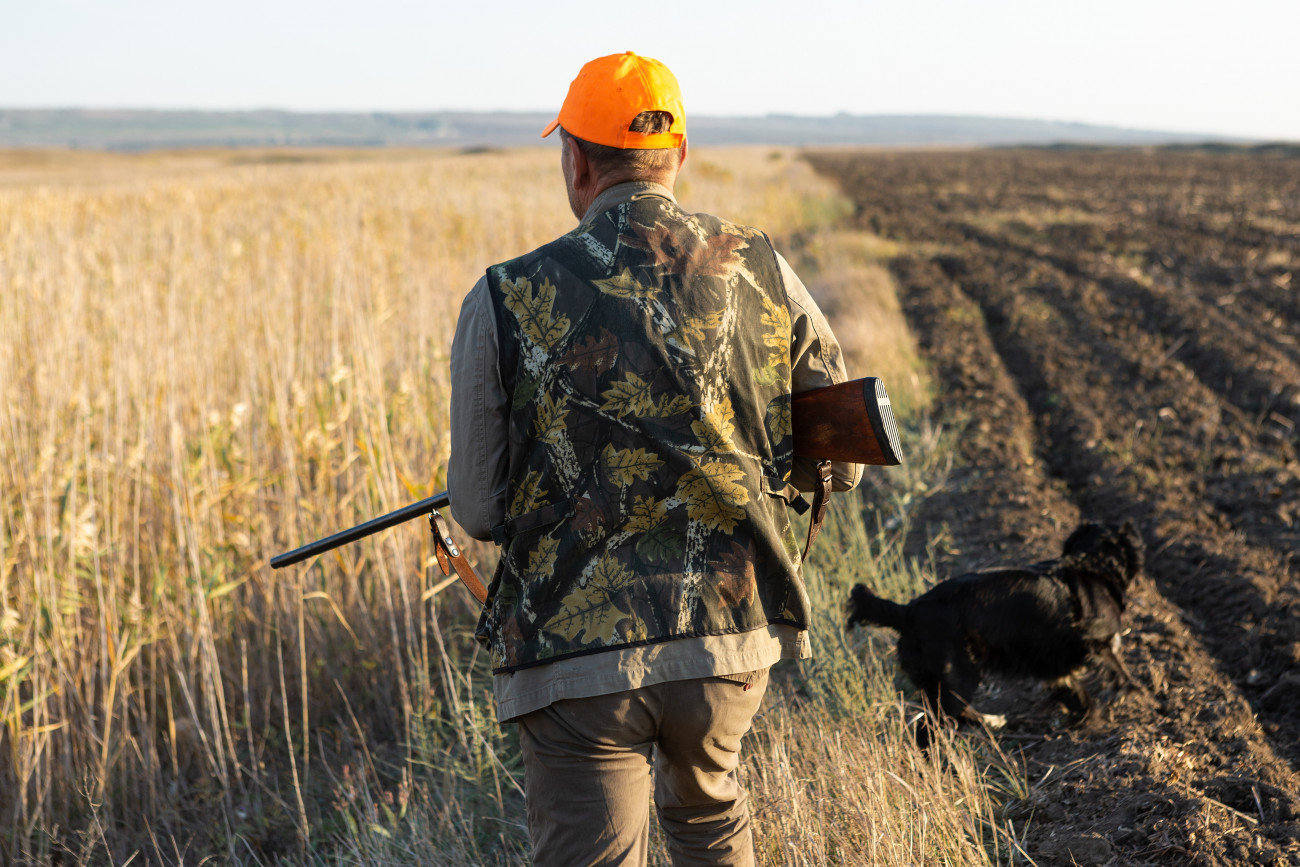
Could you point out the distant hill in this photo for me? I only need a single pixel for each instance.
(140, 129)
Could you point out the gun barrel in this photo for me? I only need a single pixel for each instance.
(383, 522)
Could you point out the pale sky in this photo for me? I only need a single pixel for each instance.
(1222, 68)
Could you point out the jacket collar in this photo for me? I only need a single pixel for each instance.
(626, 192)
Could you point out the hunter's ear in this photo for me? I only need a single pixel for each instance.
(578, 159)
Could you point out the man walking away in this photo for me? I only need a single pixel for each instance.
(621, 428)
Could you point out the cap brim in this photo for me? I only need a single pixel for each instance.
(550, 128)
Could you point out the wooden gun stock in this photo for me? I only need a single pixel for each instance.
(850, 422)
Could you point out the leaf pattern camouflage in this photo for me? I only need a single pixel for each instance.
(647, 354)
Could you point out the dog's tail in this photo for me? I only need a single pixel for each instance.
(866, 607)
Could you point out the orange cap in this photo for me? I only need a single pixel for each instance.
(610, 91)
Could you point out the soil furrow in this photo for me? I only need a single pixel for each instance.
(1240, 362)
(995, 503)
(1236, 462)
(1257, 302)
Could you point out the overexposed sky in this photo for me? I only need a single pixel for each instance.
(1222, 68)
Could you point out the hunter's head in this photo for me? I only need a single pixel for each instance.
(621, 121)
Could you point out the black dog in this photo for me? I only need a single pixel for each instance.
(1047, 621)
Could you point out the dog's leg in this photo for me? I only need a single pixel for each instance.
(1109, 654)
(931, 718)
(1069, 690)
(992, 721)
(936, 713)
(952, 698)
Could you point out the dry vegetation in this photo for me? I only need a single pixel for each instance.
(209, 358)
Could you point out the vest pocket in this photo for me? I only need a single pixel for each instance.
(539, 518)
(775, 487)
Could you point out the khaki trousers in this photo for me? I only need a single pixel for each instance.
(587, 774)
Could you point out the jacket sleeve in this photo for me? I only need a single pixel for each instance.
(476, 471)
(815, 361)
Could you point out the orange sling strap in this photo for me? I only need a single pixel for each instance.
(450, 557)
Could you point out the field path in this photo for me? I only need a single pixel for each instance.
(1115, 336)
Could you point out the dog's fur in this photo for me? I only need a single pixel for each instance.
(1047, 621)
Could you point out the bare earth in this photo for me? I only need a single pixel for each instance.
(1117, 331)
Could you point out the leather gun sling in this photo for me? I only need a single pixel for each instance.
(450, 557)
(821, 499)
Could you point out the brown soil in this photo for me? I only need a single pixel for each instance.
(1115, 335)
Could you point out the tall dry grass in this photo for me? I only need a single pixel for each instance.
(209, 358)
(201, 369)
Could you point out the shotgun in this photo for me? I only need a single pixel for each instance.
(852, 422)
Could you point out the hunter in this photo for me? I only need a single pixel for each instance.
(621, 427)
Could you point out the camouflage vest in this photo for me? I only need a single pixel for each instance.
(647, 354)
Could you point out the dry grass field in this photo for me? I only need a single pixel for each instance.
(208, 358)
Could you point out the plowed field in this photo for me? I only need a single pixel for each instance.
(1115, 334)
